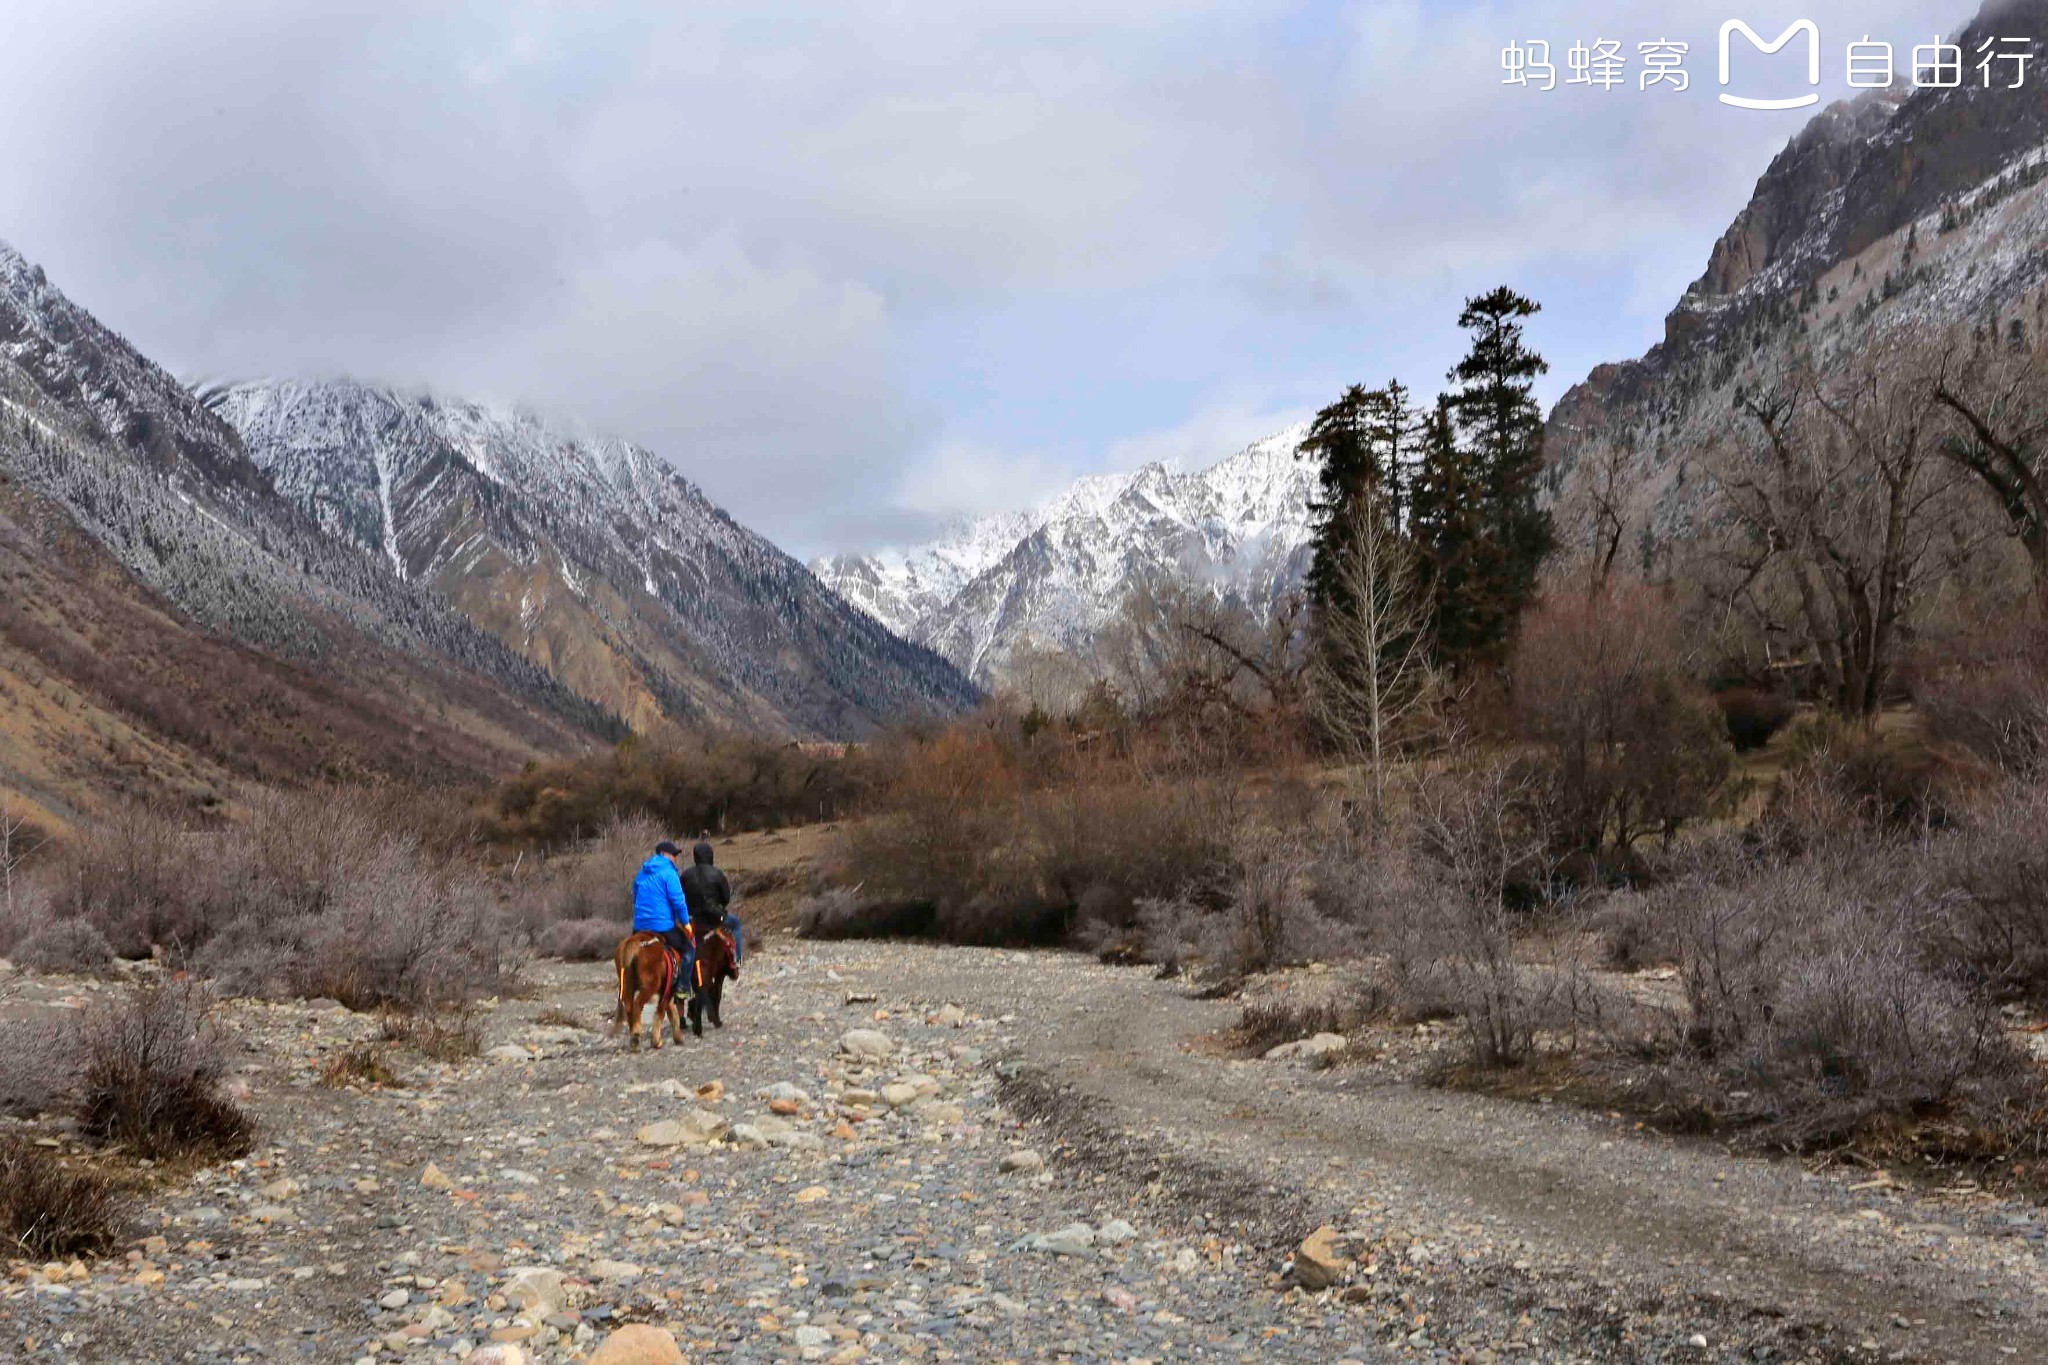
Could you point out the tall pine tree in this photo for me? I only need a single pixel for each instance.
(1365, 442)
(1475, 509)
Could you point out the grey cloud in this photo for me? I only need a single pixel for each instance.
(716, 227)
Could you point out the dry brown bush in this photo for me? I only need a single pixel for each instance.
(65, 945)
(451, 1035)
(582, 940)
(1987, 694)
(1844, 781)
(38, 1066)
(1266, 1023)
(1994, 925)
(1628, 746)
(596, 881)
(367, 1065)
(984, 836)
(51, 1210)
(150, 1077)
(405, 933)
(331, 891)
(1819, 1007)
(683, 782)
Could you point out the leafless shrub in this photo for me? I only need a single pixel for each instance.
(683, 782)
(451, 1035)
(1172, 932)
(65, 945)
(404, 933)
(1989, 697)
(554, 1016)
(847, 912)
(39, 1065)
(986, 840)
(366, 1065)
(1626, 746)
(596, 882)
(1482, 836)
(1272, 1020)
(582, 940)
(1845, 781)
(140, 882)
(150, 1077)
(1994, 925)
(51, 1210)
(1811, 987)
(1270, 918)
(1631, 935)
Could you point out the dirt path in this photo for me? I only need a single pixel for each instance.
(1556, 1203)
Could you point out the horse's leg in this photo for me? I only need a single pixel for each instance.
(660, 1016)
(714, 997)
(619, 1009)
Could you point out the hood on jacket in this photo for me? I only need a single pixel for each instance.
(702, 854)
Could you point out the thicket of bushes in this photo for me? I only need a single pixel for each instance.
(1842, 960)
(684, 783)
(329, 892)
(996, 833)
(141, 1074)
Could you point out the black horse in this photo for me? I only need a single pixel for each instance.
(717, 959)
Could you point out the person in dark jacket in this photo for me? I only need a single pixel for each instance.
(659, 904)
(706, 890)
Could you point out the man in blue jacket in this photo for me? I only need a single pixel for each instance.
(658, 903)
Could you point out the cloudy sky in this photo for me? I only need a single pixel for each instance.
(855, 267)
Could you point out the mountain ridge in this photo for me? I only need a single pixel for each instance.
(1900, 210)
(1054, 575)
(143, 545)
(588, 554)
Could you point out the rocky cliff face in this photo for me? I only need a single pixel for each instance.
(1903, 208)
(1056, 575)
(589, 556)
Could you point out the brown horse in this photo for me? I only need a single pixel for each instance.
(717, 959)
(646, 972)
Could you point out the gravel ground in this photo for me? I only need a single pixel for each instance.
(813, 1203)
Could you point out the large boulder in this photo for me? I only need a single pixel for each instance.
(694, 1128)
(498, 1353)
(866, 1042)
(1309, 1049)
(639, 1344)
(1318, 1263)
(536, 1292)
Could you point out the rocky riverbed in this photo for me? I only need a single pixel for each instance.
(906, 1153)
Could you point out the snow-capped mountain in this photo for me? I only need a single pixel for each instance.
(171, 626)
(1056, 575)
(587, 554)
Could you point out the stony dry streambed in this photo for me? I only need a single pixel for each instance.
(906, 1153)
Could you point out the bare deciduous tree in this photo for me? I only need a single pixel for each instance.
(1371, 683)
(1998, 407)
(16, 846)
(1604, 503)
(1844, 506)
(1173, 639)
